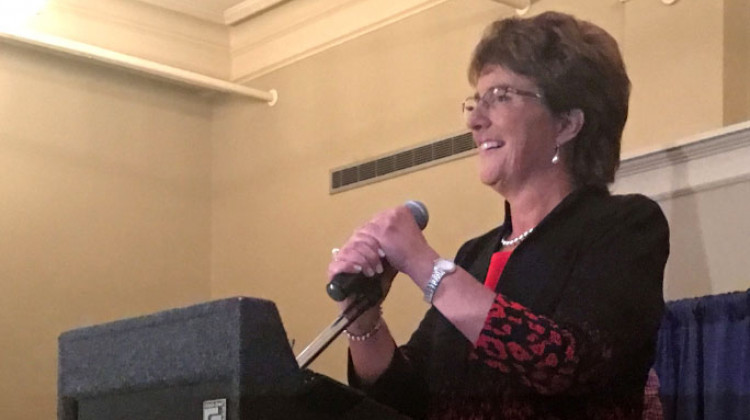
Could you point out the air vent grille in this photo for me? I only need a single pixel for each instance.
(401, 162)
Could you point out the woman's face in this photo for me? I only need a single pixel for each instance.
(513, 129)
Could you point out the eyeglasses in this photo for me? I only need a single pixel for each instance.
(492, 97)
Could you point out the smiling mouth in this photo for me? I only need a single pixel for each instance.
(488, 145)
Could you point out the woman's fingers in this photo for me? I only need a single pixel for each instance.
(359, 254)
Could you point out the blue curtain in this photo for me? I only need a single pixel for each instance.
(703, 358)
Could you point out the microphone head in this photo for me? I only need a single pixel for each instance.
(419, 211)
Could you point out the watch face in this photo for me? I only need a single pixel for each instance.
(445, 265)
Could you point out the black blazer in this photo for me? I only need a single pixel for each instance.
(594, 266)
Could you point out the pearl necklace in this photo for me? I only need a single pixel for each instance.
(517, 240)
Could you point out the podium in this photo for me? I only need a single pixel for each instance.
(222, 360)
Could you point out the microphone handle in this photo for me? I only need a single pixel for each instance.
(347, 284)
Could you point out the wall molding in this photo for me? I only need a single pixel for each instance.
(249, 8)
(299, 30)
(702, 162)
(189, 8)
(246, 41)
(153, 22)
(140, 30)
(230, 16)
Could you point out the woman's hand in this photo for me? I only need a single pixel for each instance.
(402, 241)
(390, 242)
(362, 254)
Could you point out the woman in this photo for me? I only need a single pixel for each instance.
(554, 313)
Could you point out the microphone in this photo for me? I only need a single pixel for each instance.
(344, 285)
(367, 292)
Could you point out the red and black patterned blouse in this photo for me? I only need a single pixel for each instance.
(572, 331)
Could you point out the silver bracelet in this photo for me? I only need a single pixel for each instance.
(368, 334)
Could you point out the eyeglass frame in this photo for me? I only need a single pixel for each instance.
(493, 92)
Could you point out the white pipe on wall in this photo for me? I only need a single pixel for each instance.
(119, 60)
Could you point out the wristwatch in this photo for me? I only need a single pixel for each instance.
(440, 269)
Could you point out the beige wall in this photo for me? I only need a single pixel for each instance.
(736, 61)
(708, 241)
(675, 57)
(274, 221)
(123, 196)
(104, 211)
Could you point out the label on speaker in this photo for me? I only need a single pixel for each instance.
(215, 410)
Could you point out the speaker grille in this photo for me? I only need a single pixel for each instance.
(401, 162)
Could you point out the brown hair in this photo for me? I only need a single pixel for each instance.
(576, 64)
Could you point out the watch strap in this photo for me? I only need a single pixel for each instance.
(440, 269)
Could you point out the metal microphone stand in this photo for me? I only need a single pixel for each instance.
(363, 301)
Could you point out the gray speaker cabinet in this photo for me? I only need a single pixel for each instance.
(224, 360)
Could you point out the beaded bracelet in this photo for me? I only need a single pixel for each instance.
(368, 334)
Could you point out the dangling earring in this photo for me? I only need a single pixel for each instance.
(556, 157)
